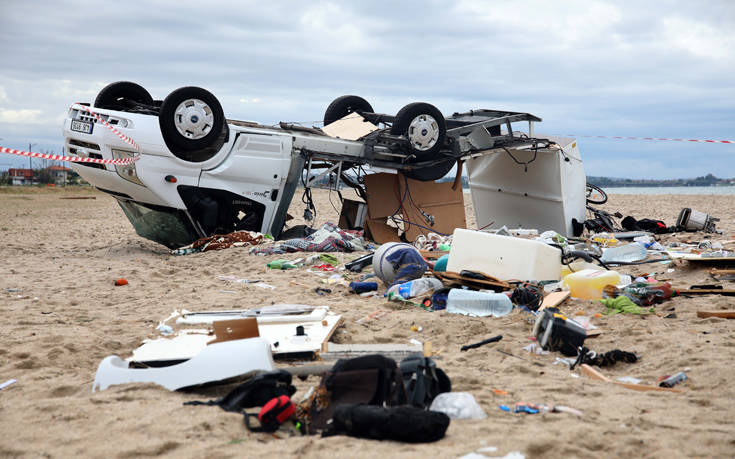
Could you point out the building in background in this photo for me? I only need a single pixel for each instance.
(21, 176)
(60, 175)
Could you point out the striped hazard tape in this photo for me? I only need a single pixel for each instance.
(616, 137)
(79, 159)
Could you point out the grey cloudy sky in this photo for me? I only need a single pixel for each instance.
(653, 69)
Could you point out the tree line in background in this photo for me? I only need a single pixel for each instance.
(707, 180)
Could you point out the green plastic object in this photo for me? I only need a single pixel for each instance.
(445, 247)
(441, 264)
(281, 264)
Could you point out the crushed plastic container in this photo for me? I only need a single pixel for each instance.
(588, 283)
(625, 253)
(415, 287)
(478, 304)
(503, 257)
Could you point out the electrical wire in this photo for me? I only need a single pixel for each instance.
(522, 163)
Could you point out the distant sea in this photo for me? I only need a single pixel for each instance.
(719, 190)
(727, 190)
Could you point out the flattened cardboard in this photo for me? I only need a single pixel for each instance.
(227, 330)
(352, 127)
(389, 194)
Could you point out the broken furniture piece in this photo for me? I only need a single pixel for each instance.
(278, 324)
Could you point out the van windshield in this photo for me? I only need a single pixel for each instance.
(164, 225)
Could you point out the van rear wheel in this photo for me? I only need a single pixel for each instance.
(343, 106)
(193, 124)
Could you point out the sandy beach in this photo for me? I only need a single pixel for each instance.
(63, 315)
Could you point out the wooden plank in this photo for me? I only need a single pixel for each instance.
(433, 254)
(554, 299)
(720, 314)
(333, 351)
(594, 374)
(472, 282)
(708, 291)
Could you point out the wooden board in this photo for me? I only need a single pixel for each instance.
(455, 278)
(720, 314)
(433, 254)
(554, 299)
(708, 291)
(333, 351)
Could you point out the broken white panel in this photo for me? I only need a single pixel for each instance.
(279, 331)
(351, 127)
(546, 196)
(217, 362)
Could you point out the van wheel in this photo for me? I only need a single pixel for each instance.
(343, 106)
(193, 124)
(114, 95)
(430, 173)
(423, 125)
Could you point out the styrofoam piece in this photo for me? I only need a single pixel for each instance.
(545, 194)
(503, 257)
(217, 362)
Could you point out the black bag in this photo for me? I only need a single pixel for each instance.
(646, 224)
(257, 391)
(423, 380)
(371, 379)
(401, 423)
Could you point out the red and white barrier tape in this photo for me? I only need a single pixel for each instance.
(79, 159)
(125, 138)
(76, 159)
(649, 138)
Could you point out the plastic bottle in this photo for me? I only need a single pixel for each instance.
(415, 287)
(478, 304)
(588, 283)
(625, 253)
(646, 293)
(578, 265)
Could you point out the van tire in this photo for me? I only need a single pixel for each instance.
(430, 173)
(423, 125)
(113, 95)
(343, 106)
(193, 124)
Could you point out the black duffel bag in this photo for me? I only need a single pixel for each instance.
(400, 423)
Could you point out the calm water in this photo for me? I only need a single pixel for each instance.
(719, 190)
(727, 190)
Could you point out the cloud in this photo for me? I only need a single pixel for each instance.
(22, 116)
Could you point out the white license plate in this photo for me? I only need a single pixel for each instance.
(81, 126)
